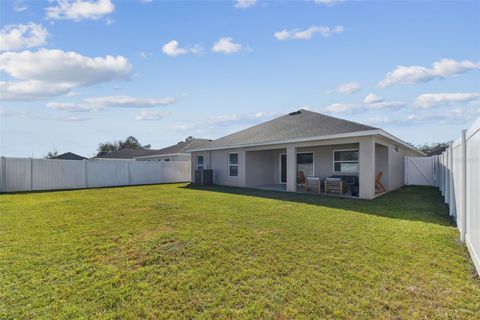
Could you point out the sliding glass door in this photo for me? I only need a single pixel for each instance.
(305, 163)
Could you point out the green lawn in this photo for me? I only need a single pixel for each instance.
(170, 251)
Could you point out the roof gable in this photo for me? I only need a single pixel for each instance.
(302, 124)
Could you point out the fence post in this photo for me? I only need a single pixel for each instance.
(463, 179)
(406, 170)
(31, 174)
(451, 190)
(3, 183)
(85, 173)
(129, 180)
(447, 179)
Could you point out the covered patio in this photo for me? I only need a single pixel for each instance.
(346, 169)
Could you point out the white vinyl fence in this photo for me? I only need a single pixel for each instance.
(456, 172)
(27, 174)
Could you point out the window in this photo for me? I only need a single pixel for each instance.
(305, 163)
(233, 164)
(345, 161)
(199, 162)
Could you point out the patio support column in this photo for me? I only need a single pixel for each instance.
(367, 167)
(291, 168)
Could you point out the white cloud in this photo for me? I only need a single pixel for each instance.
(341, 108)
(348, 108)
(68, 106)
(172, 49)
(79, 10)
(429, 100)
(22, 36)
(226, 45)
(328, 2)
(453, 116)
(307, 34)
(30, 90)
(55, 72)
(372, 98)
(71, 118)
(243, 4)
(457, 115)
(385, 105)
(227, 122)
(414, 74)
(128, 102)
(151, 115)
(145, 55)
(19, 6)
(102, 103)
(348, 88)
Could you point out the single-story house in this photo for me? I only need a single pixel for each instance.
(272, 154)
(177, 152)
(69, 156)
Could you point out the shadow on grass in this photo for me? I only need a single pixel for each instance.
(415, 203)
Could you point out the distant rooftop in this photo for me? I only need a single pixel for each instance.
(69, 156)
(181, 147)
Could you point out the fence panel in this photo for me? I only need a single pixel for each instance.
(457, 184)
(25, 174)
(107, 173)
(472, 237)
(51, 174)
(145, 172)
(17, 174)
(419, 171)
(176, 171)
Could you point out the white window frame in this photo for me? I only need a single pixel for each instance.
(347, 161)
(232, 164)
(203, 162)
(313, 160)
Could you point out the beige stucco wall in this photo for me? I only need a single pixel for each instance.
(258, 166)
(396, 162)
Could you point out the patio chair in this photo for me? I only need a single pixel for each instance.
(378, 183)
(301, 180)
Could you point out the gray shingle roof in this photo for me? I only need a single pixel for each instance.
(296, 125)
(180, 147)
(69, 156)
(125, 153)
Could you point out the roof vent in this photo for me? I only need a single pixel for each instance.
(295, 113)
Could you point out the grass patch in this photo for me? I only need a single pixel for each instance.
(173, 251)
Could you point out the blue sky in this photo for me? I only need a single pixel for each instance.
(77, 73)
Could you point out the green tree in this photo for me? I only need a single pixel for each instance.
(130, 142)
(51, 154)
(433, 148)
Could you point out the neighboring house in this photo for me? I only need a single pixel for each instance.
(123, 154)
(271, 154)
(69, 156)
(177, 152)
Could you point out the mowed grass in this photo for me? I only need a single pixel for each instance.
(176, 252)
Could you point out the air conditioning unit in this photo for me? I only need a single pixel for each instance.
(204, 177)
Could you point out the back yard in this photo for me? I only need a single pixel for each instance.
(171, 251)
